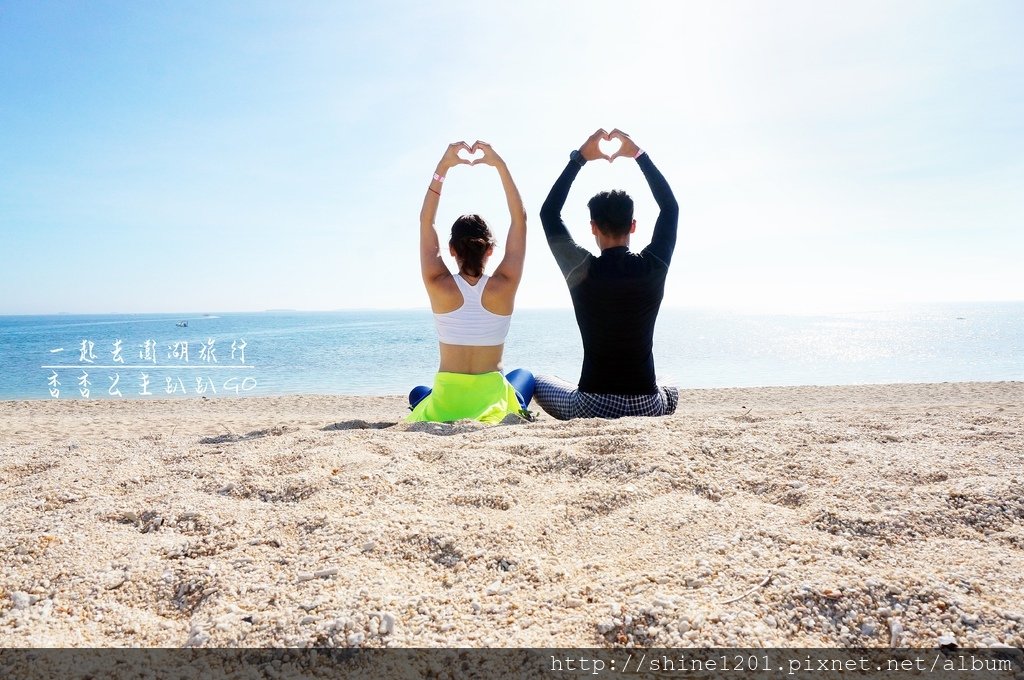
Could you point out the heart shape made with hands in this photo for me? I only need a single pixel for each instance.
(476, 155)
(609, 146)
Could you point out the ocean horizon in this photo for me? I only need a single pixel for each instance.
(379, 352)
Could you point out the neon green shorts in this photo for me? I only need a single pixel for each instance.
(486, 397)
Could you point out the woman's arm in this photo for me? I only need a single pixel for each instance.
(511, 266)
(431, 265)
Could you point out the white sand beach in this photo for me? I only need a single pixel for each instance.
(813, 516)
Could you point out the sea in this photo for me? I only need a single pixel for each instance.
(149, 356)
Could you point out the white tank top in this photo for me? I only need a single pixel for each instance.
(471, 324)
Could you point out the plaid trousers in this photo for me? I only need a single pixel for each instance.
(564, 401)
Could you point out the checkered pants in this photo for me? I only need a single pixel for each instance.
(563, 401)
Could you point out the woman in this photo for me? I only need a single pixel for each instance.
(472, 311)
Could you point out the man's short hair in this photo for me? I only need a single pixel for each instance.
(612, 212)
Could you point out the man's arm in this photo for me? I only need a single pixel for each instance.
(568, 254)
(663, 241)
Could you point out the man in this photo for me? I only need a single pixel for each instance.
(616, 295)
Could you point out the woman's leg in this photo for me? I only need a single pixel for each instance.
(417, 395)
(524, 382)
(556, 397)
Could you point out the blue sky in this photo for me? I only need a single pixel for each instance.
(216, 156)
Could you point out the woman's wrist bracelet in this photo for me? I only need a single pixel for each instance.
(434, 190)
(438, 178)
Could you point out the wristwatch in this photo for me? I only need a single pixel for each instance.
(576, 156)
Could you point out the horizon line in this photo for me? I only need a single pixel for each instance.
(722, 307)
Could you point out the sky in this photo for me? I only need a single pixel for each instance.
(242, 156)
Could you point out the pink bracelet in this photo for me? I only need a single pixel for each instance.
(438, 178)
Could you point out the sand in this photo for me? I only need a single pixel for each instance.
(812, 516)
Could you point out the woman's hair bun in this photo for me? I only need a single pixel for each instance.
(471, 238)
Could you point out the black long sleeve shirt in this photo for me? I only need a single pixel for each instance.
(617, 295)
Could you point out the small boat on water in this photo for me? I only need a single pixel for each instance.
(182, 324)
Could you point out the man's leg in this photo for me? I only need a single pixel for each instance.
(671, 397)
(594, 405)
(556, 397)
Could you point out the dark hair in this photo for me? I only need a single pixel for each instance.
(471, 237)
(612, 211)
